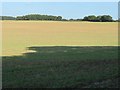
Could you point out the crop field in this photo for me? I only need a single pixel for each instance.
(57, 54)
(17, 35)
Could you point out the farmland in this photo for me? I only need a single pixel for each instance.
(17, 35)
(62, 67)
(66, 54)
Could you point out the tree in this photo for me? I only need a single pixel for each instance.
(19, 18)
(59, 18)
(39, 17)
(64, 20)
(85, 18)
(106, 18)
(7, 18)
(92, 18)
(99, 18)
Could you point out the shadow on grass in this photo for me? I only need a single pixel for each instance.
(62, 67)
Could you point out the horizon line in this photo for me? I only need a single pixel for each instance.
(59, 15)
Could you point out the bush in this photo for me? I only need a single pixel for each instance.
(104, 18)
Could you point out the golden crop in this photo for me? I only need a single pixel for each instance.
(17, 35)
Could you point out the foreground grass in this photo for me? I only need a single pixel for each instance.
(62, 67)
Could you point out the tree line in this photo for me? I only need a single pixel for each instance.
(103, 18)
(39, 17)
(7, 18)
(92, 18)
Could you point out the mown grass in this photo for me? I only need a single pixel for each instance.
(62, 67)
